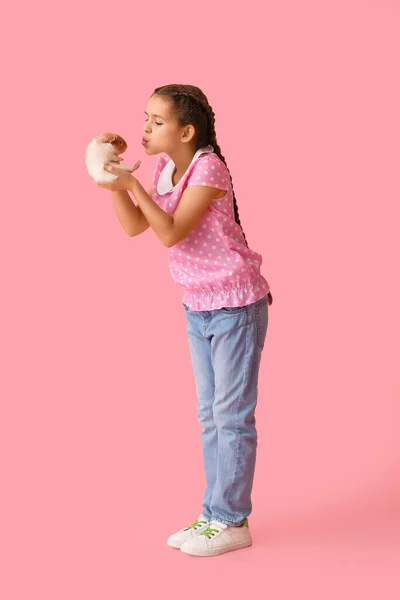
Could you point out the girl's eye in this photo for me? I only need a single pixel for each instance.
(155, 122)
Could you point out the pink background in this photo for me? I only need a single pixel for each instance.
(100, 445)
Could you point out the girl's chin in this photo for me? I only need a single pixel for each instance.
(151, 150)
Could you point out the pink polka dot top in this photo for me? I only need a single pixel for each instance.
(213, 263)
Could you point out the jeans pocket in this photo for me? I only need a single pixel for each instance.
(261, 314)
(233, 310)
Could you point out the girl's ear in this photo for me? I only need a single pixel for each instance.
(189, 133)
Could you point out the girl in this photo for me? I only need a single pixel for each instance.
(192, 209)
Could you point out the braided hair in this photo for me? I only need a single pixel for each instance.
(192, 107)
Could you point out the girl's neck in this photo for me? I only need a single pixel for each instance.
(181, 160)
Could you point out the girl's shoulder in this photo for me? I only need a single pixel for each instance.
(212, 162)
(209, 170)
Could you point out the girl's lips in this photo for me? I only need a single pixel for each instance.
(144, 142)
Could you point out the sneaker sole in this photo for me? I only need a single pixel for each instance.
(175, 544)
(216, 551)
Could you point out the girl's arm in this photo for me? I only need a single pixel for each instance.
(172, 229)
(130, 216)
(160, 221)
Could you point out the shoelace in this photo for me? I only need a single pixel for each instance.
(210, 531)
(196, 524)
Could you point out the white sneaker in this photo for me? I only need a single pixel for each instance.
(176, 539)
(218, 538)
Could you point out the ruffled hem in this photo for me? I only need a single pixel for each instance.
(240, 294)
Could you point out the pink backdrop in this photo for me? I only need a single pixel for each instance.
(100, 444)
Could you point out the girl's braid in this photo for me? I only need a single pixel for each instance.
(214, 143)
(197, 95)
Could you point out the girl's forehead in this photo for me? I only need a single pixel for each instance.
(159, 106)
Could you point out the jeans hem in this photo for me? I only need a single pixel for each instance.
(227, 521)
(206, 515)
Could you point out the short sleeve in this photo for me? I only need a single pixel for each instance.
(209, 171)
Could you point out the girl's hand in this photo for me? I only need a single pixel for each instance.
(125, 180)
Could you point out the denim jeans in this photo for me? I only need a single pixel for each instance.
(225, 349)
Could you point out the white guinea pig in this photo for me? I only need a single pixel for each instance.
(106, 148)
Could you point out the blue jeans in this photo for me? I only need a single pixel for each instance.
(225, 348)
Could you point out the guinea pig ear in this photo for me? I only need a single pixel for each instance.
(106, 138)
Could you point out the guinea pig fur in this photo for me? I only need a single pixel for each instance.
(105, 148)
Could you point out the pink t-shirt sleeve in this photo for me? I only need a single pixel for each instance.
(209, 171)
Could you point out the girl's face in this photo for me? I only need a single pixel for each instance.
(161, 130)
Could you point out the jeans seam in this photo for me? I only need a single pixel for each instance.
(258, 326)
(261, 346)
(236, 424)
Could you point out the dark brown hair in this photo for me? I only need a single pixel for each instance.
(191, 107)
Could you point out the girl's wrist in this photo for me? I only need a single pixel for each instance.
(133, 185)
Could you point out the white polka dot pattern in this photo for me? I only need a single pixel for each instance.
(213, 263)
